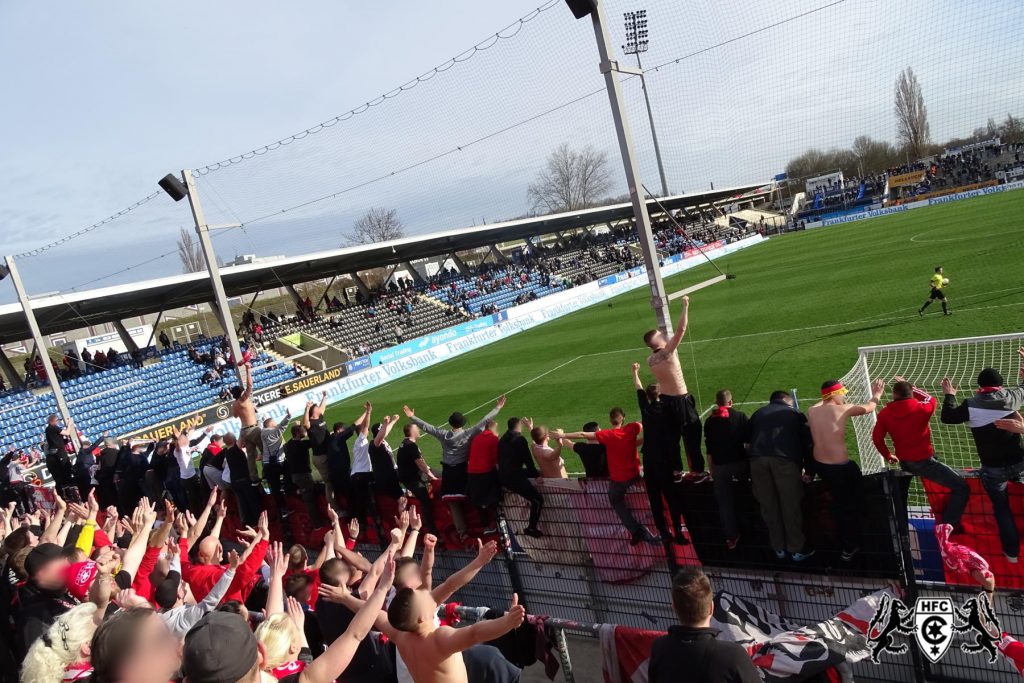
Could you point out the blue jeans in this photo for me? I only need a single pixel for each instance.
(933, 470)
(994, 481)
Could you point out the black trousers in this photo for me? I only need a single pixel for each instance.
(522, 486)
(273, 473)
(844, 483)
(661, 487)
(685, 420)
(419, 489)
(359, 505)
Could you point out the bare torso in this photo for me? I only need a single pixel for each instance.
(245, 411)
(665, 366)
(551, 466)
(828, 429)
(426, 661)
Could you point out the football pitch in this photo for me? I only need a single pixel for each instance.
(794, 316)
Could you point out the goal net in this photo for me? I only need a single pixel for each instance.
(925, 364)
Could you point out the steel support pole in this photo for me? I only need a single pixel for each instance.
(41, 349)
(219, 297)
(659, 300)
(654, 133)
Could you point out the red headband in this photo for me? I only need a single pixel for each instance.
(836, 388)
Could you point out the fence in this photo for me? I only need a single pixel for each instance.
(584, 573)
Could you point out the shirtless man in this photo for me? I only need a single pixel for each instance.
(681, 408)
(244, 409)
(433, 653)
(827, 420)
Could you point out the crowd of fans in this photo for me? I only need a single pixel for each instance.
(138, 572)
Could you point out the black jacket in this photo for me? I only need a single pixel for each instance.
(724, 437)
(703, 657)
(515, 458)
(37, 610)
(780, 431)
(996, 448)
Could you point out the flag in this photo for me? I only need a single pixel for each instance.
(783, 650)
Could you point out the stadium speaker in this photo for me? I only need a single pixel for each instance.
(580, 8)
(174, 187)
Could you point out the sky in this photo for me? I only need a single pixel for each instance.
(102, 99)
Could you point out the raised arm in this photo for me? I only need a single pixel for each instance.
(278, 562)
(425, 426)
(677, 337)
(636, 377)
(427, 561)
(462, 577)
(370, 581)
(52, 531)
(385, 428)
(323, 402)
(364, 417)
(877, 387)
(305, 414)
(195, 531)
(479, 426)
(952, 414)
(247, 394)
(453, 640)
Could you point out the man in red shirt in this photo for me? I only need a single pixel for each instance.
(204, 574)
(906, 420)
(482, 486)
(620, 443)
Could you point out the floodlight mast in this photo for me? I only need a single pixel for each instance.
(637, 41)
(611, 69)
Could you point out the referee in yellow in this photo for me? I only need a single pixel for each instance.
(938, 282)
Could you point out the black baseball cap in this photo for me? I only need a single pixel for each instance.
(40, 556)
(220, 648)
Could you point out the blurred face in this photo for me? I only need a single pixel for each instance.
(271, 424)
(657, 340)
(157, 654)
(425, 605)
(414, 432)
(53, 575)
(408, 577)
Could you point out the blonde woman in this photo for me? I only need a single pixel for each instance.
(62, 653)
(286, 651)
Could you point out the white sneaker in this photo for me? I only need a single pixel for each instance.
(1011, 560)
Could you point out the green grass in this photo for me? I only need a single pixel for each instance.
(794, 316)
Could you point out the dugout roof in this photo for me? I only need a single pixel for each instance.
(66, 311)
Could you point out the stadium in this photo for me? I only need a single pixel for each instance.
(385, 376)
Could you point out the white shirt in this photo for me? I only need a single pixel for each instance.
(185, 466)
(361, 455)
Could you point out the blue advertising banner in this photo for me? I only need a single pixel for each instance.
(357, 364)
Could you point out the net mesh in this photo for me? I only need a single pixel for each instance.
(925, 364)
(737, 91)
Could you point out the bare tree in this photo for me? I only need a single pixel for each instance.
(376, 225)
(571, 180)
(911, 114)
(190, 252)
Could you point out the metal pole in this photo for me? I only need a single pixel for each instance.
(654, 133)
(203, 230)
(659, 301)
(37, 336)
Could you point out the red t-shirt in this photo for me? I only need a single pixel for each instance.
(620, 444)
(483, 453)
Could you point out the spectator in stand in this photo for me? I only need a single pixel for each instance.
(693, 646)
(454, 457)
(416, 476)
(189, 477)
(165, 341)
(827, 420)
(134, 645)
(1000, 451)
(382, 462)
(44, 596)
(272, 435)
(208, 570)
(780, 451)
(624, 467)
(246, 494)
(483, 489)
(661, 460)
(549, 459)
(211, 463)
(516, 469)
(339, 461)
(906, 421)
(679, 405)
(362, 470)
(318, 440)
(725, 432)
(592, 454)
(55, 440)
(86, 467)
(296, 453)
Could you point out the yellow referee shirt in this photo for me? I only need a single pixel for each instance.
(937, 281)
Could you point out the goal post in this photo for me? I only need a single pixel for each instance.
(925, 364)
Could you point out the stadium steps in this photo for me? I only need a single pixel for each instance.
(443, 306)
(287, 361)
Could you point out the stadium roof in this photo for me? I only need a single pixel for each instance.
(74, 310)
